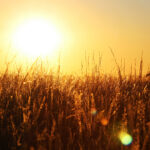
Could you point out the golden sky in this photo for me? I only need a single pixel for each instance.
(85, 25)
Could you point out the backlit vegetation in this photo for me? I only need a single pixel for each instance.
(40, 111)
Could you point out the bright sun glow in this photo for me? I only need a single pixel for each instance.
(36, 37)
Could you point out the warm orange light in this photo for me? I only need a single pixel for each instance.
(104, 121)
(36, 37)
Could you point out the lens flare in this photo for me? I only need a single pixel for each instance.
(104, 121)
(125, 138)
(93, 111)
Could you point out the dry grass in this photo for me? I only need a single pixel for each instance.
(54, 112)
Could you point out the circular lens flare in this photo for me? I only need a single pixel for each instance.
(93, 111)
(104, 121)
(125, 138)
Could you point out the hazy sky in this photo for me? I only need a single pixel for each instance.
(87, 25)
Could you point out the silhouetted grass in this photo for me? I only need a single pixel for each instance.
(55, 112)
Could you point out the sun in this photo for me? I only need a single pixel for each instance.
(36, 37)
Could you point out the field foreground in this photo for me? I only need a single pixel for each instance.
(48, 112)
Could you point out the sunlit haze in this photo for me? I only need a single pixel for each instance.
(75, 74)
(73, 28)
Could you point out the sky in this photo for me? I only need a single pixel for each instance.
(88, 27)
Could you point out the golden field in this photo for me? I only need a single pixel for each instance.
(40, 111)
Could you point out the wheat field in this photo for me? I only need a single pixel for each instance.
(65, 112)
